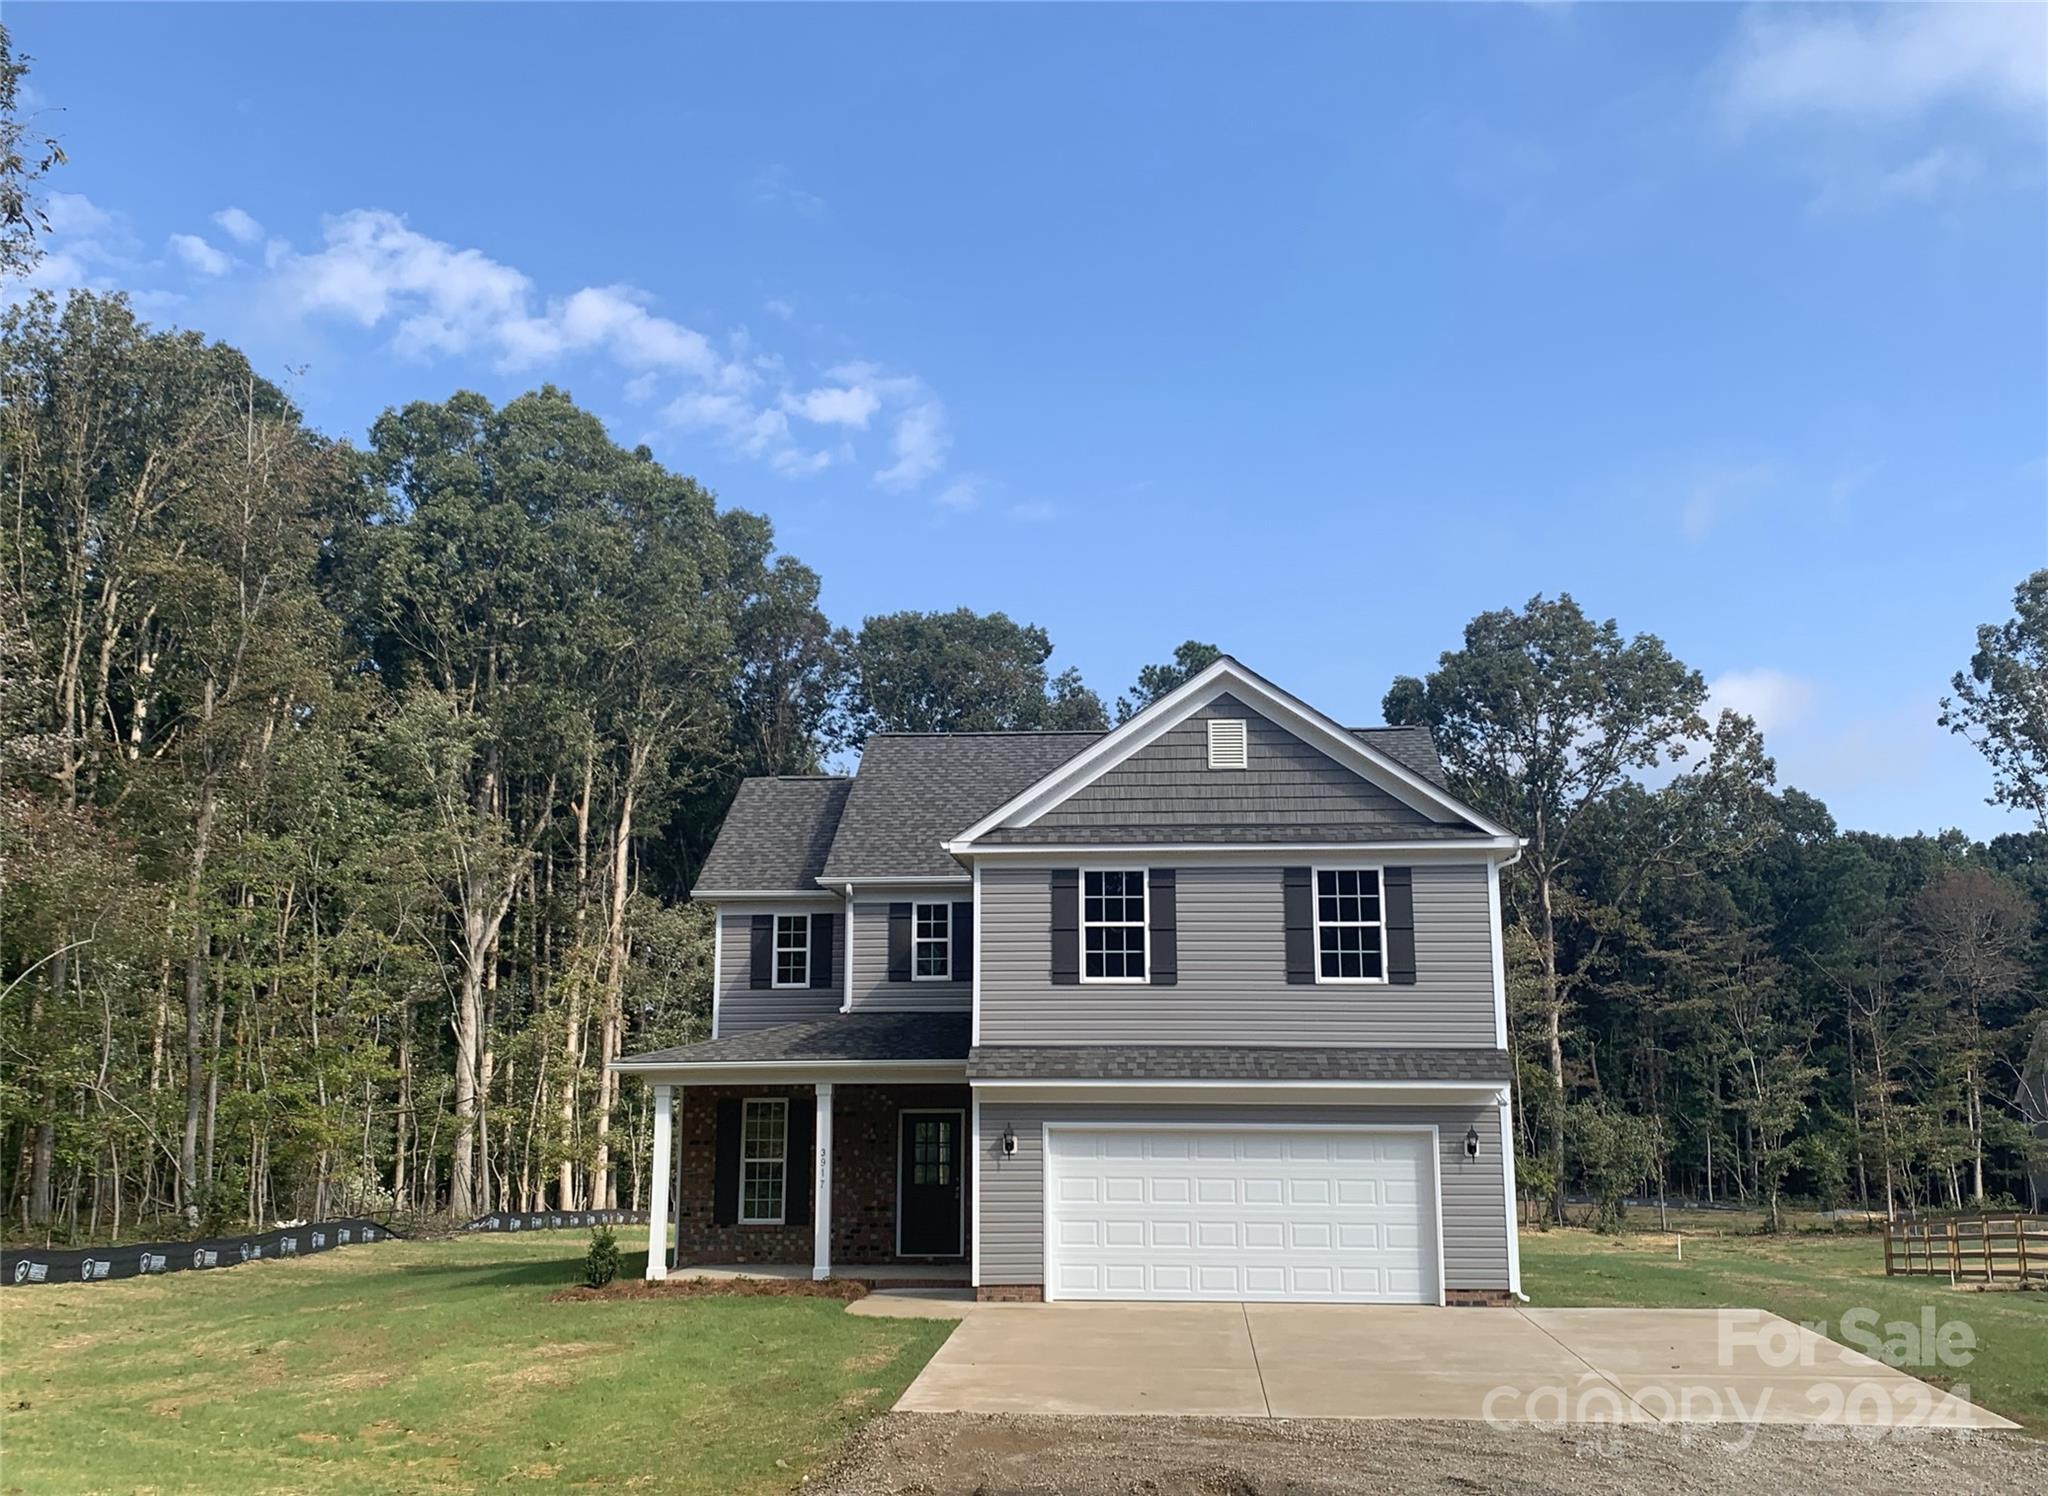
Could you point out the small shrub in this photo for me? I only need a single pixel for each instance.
(601, 1263)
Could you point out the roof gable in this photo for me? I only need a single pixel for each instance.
(775, 835)
(916, 791)
(1425, 806)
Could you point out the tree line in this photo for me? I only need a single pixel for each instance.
(351, 795)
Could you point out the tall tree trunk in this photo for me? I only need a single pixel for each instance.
(197, 957)
(1553, 1016)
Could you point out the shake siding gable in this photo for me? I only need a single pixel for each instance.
(1232, 983)
(1286, 782)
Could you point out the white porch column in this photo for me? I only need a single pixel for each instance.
(821, 1195)
(657, 1202)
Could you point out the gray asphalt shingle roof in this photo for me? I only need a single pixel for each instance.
(880, 1037)
(776, 835)
(1217, 1062)
(1411, 747)
(915, 790)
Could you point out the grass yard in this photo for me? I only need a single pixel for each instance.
(1809, 1277)
(430, 1367)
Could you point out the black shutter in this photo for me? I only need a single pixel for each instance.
(761, 951)
(1163, 932)
(799, 1168)
(1297, 895)
(899, 942)
(725, 1165)
(1066, 926)
(963, 942)
(1397, 895)
(821, 950)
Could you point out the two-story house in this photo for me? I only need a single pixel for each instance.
(1210, 1006)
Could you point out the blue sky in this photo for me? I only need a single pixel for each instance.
(1312, 332)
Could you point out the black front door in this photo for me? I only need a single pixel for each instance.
(929, 1185)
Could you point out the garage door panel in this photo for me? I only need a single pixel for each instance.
(1222, 1213)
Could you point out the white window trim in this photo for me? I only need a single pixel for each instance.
(782, 1215)
(1143, 923)
(775, 952)
(1315, 884)
(946, 924)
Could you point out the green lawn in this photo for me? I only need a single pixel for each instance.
(1808, 1278)
(431, 1366)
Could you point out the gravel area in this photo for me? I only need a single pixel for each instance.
(940, 1454)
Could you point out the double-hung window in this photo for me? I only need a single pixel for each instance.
(1350, 936)
(792, 950)
(764, 1161)
(931, 951)
(1112, 926)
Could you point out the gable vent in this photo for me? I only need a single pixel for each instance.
(1226, 743)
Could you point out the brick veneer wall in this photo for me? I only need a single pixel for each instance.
(864, 1161)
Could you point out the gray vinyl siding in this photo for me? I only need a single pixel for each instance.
(1012, 1240)
(872, 988)
(740, 1007)
(1287, 783)
(1233, 985)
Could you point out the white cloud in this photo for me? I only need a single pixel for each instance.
(1775, 699)
(200, 255)
(239, 226)
(776, 307)
(1936, 174)
(962, 494)
(836, 406)
(75, 213)
(1716, 494)
(1886, 62)
(774, 187)
(919, 443)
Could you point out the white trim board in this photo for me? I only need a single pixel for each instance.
(1475, 1094)
(1199, 854)
(801, 1072)
(1282, 708)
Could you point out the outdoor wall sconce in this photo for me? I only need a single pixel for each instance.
(1471, 1142)
(1009, 1141)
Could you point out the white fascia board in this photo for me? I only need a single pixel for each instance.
(1176, 707)
(759, 896)
(799, 1072)
(936, 880)
(1186, 854)
(1239, 1092)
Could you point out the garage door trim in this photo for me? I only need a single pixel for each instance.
(1049, 1162)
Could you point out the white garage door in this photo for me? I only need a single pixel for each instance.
(1313, 1214)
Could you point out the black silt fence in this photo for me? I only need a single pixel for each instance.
(21, 1266)
(553, 1220)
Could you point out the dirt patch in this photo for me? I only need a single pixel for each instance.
(315, 1438)
(627, 1289)
(1007, 1455)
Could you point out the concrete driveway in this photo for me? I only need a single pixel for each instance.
(1345, 1361)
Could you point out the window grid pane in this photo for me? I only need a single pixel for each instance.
(1348, 925)
(764, 1170)
(1113, 925)
(932, 940)
(792, 950)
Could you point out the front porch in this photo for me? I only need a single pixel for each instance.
(863, 1122)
